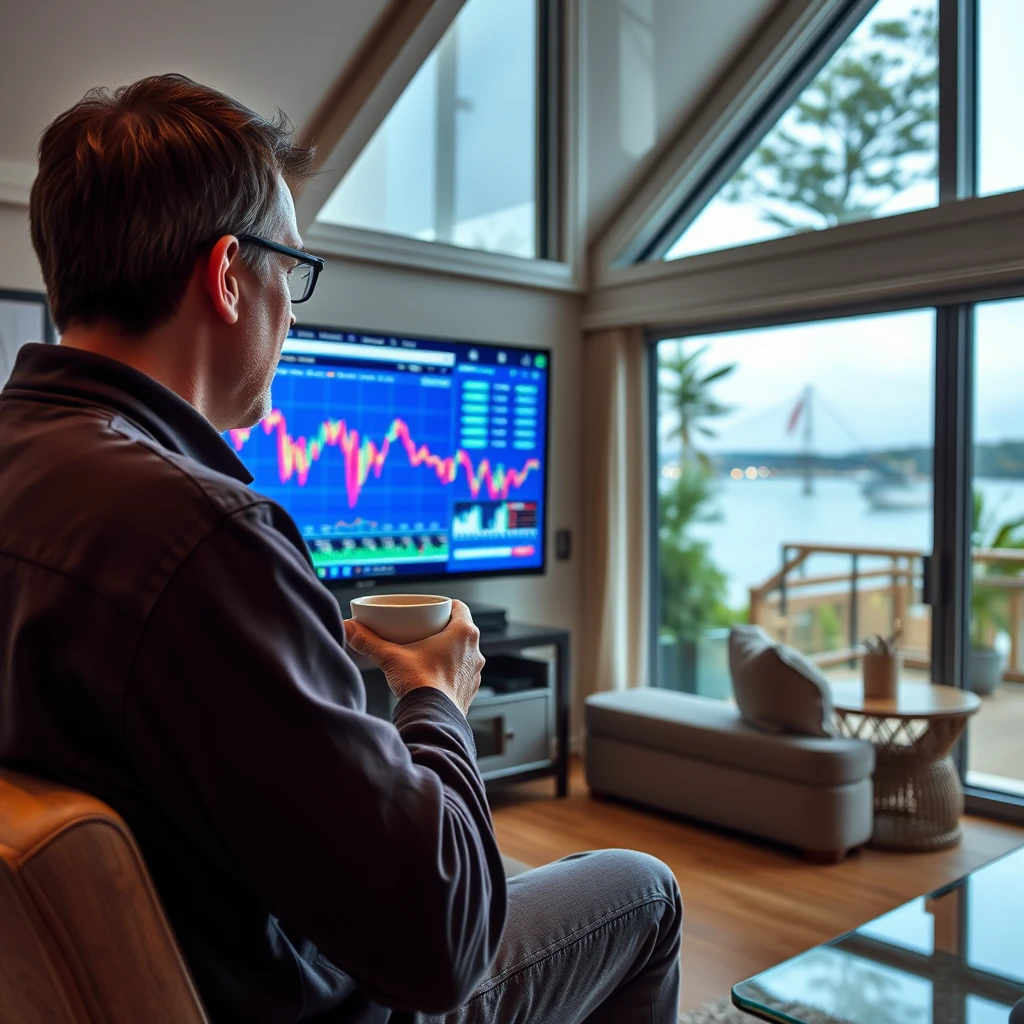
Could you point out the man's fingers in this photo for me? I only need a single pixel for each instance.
(361, 639)
(353, 634)
(460, 613)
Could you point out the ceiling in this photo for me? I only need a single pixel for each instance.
(647, 64)
(266, 53)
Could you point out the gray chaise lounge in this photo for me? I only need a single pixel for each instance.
(695, 757)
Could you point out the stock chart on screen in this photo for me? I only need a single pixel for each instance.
(405, 456)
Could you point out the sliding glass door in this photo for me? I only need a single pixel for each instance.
(995, 748)
(794, 491)
(844, 478)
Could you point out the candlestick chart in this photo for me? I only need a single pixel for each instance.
(364, 457)
(379, 455)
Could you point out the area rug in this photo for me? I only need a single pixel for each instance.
(720, 1012)
(723, 1012)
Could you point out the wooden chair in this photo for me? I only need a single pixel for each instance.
(83, 937)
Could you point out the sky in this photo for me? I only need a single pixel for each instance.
(872, 377)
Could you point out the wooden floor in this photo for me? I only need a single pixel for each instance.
(748, 905)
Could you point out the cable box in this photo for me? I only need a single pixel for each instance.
(508, 673)
(489, 618)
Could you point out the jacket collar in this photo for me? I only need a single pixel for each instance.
(79, 377)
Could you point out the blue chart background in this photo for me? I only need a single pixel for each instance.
(404, 498)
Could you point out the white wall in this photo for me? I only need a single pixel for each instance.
(387, 298)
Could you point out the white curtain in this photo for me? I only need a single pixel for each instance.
(616, 520)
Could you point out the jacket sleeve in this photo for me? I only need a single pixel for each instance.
(247, 719)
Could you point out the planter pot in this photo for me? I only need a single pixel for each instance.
(698, 666)
(881, 675)
(986, 670)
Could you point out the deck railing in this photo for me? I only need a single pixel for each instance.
(879, 586)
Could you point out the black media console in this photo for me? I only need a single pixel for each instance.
(520, 718)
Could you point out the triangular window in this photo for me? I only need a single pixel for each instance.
(455, 160)
(861, 141)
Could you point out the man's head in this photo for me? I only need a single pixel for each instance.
(135, 212)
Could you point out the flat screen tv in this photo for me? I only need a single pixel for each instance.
(406, 457)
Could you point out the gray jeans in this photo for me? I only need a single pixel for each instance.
(594, 937)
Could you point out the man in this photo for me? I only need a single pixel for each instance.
(166, 645)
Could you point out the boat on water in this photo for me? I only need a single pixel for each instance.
(896, 492)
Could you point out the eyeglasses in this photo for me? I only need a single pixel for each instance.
(301, 278)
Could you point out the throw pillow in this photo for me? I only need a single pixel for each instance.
(777, 689)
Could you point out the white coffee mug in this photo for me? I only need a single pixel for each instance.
(403, 618)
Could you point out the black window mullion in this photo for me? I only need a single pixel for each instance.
(958, 99)
(654, 516)
(952, 474)
(550, 96)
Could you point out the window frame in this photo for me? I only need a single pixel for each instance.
(801, 50)
(558, 263)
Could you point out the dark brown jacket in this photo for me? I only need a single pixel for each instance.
(165, 645)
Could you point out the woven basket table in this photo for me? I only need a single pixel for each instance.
(918, 795)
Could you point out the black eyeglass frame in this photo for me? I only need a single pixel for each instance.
(315, 262)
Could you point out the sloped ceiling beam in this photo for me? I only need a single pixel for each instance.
(648, 202)
(405, 36)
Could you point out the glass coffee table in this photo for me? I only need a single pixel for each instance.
(955, 956)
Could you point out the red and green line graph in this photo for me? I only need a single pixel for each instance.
(296, 456)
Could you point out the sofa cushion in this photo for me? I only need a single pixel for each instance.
(712, 730)
(776, 688)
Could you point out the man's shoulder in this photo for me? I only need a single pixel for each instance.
(180, 483)
(206, 497)
(194, 500)
(107, 505)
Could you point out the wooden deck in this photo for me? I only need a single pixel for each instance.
(995, 741)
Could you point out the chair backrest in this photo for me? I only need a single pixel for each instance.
(83, 937)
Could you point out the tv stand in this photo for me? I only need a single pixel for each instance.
(522, 734)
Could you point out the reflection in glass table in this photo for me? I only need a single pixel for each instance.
(954, 957)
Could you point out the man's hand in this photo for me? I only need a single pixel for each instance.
(450, 660)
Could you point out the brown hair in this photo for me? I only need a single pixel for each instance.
(134, 183)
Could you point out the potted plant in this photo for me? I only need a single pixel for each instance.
(989, 603)
(693, 654)
(986, 663)
(693, 644)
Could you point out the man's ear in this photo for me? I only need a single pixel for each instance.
(222, 278)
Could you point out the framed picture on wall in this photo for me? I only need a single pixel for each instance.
(24, 317)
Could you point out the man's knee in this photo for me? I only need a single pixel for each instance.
(640, 870)
(629, 871)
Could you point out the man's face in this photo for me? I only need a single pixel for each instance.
(266, 315)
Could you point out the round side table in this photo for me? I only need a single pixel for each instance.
(918, 795)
